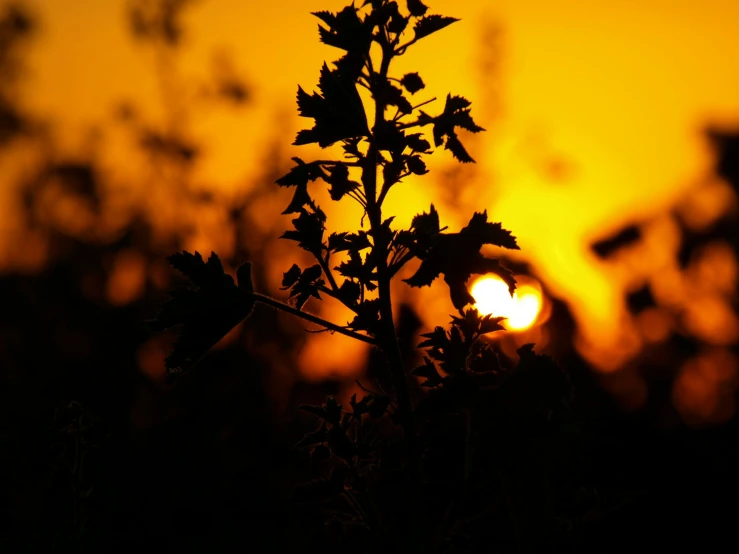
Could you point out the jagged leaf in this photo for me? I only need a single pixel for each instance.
(412, 82)
(338, 110)
(368, 316)
(349, 292)
(290, 277)
(416, 7)
(307, 284)
(457, 256)
(456, 114)
(338, 242)
(338, 178)
(416, 143)
(490, 324)
(298, 177)
(482, 231)
(416, 165)
(345, 30)
(429, 24)
(308, 230)
(205, 309)
(428, 371)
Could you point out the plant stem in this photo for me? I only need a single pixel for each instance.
(312, 318)
(387, 338)
(323, 262)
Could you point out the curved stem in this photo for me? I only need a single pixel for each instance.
(312, 318)
(323, 262)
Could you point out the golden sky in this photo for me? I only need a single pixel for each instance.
(616, 91)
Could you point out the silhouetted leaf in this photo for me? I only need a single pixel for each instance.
(457, 149)
(290, 277)
(416, 7)
(338, 110)
(368, 316)
(205, 310)
(430, 24)
(456, 114)
(389, 137)
(357, 268)
(412, 82)
(457, 256)
(307, 284)
(398, 23)
(428, 371)
(415, 142)
(359, 408)
(468, 324)
(490, 324)
(390, 95)
(424, 228)
(349, 292)
(391, 172)
(416, 165)
(338, 242)
(372, 404)
(200, 273)
(486, 362)
(333, 410)
(437, 336)
(448, 348)
(309, 228)
(298, 177)
(481, 231)
(351, 147)
(345, 30)
(338, 178)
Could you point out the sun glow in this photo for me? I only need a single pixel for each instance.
(521, 310)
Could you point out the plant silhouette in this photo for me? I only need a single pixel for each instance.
(391, 473)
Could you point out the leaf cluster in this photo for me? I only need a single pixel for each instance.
(399, 468)
(469, 362)
(345, 446)
(205, 308)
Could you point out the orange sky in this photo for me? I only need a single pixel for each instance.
(617, 89)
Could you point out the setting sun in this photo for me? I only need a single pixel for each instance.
(521, 310)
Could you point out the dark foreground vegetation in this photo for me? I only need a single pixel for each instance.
(452, 446)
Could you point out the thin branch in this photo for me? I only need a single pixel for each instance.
(381, 393)
(424, 103)
(400, 263)
(312, 318)
(334, 294)
(327, 271)
(355, 504)
(400, 50)
(416, 123)
(358, 198)
(334, 162)
(385, 190)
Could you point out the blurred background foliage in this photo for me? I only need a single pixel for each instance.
(632, 288)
